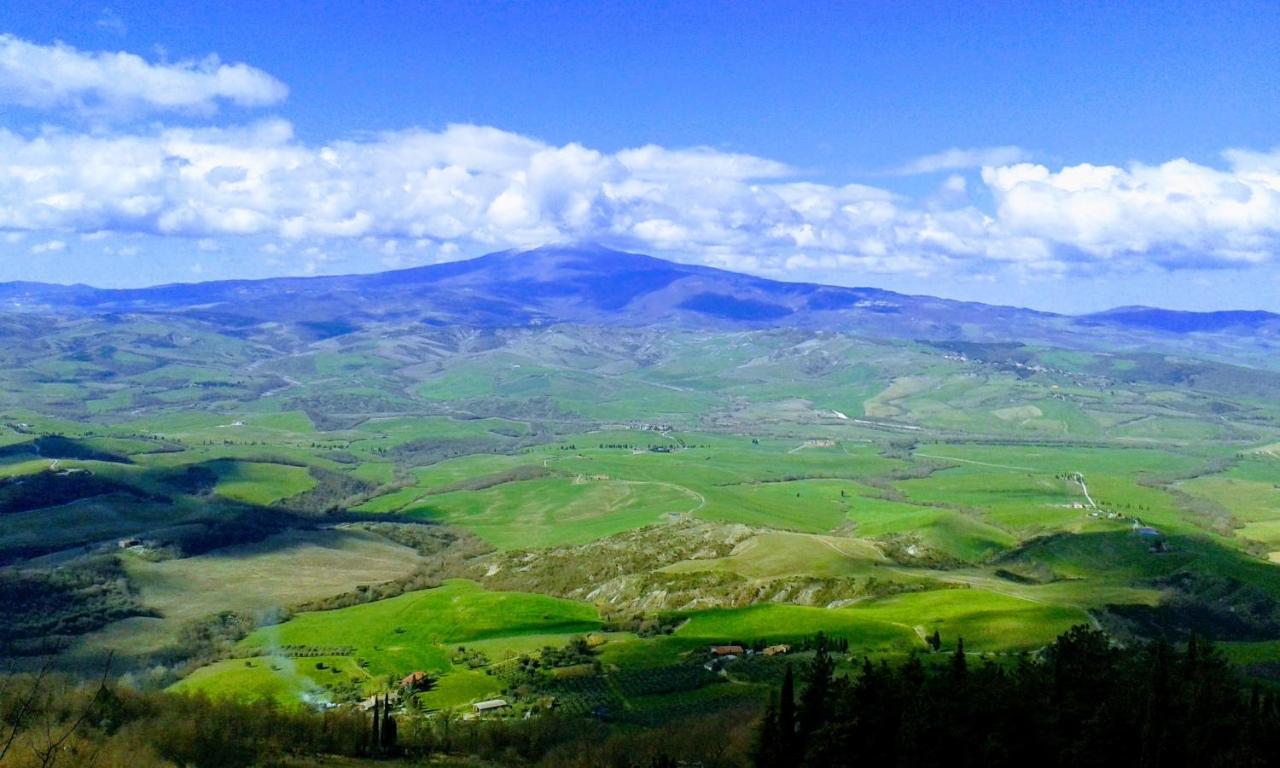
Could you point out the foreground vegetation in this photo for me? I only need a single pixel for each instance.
(1082, 701)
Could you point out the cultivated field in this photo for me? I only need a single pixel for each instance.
(571, 515)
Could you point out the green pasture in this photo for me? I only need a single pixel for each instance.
(260, 483)
(285, 680)
(556, 510)
(416, 630)
(988, 621)
(780, 622)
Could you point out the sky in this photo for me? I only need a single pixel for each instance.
(1063, 156)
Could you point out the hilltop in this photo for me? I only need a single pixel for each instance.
(590, 285)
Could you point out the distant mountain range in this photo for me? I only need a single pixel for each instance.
(591, 285)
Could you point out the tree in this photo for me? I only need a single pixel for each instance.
(767, 741)
(388, 729)
(787, 713)
(1156, 713)
(959, 665)
(813, 699)
(935, 641)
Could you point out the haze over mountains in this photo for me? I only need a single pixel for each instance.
(599, 286)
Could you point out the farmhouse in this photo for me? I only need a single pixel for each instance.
(776, 650)
(727, 650)
(492, 705)
(415, 680)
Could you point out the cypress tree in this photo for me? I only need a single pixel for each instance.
(767, 741)
(787, 715)
(388, 728)
(813, 699)
(1156, 714)
(959, 665)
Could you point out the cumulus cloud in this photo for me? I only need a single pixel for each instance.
(110, 84)
(465, 183)
(480, 187)
(1178, 213)
(956, 159)
(470, 187)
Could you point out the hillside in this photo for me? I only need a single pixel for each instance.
(597, 286)
(565, 474)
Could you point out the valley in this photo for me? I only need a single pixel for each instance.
(568, 514)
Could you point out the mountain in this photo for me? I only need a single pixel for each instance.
(598, 286)
(1176, 321)
(545, 285)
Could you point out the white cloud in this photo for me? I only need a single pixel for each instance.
(49, 246)
(1175, 214)
(111, 84)
(956, 159)
(469, 188)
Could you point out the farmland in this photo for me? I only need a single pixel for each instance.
(572, 516)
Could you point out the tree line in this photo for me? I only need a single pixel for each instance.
(1082, 702)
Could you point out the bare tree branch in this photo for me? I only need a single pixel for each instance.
(25, 706)
(50, 755)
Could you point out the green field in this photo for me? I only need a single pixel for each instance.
(257, 483)
(508, 491)
(392, 638)
(556, 510)
(414, 631)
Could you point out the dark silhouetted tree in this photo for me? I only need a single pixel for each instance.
(787, 713)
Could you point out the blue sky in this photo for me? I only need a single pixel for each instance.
(1065, 156)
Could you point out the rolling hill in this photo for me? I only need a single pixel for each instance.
(603, 463)
(597, 286)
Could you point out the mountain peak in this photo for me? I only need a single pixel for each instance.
(586, 256)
